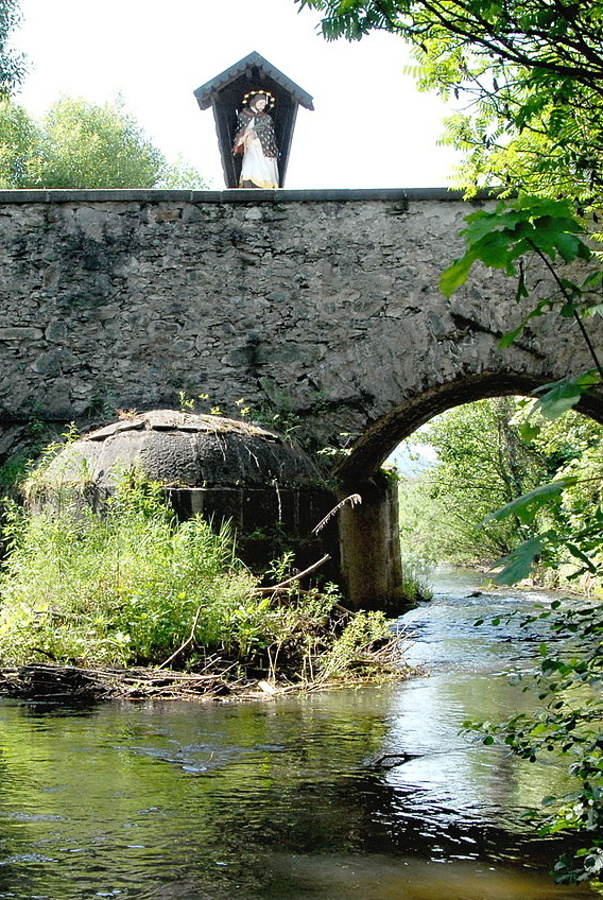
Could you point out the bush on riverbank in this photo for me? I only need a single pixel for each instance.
(136, 587)
(488, 454)
(415, 578)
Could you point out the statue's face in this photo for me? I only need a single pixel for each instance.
(260, 104)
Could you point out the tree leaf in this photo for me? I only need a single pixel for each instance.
(529, 430)
(509, 338)
(526, 506)
(575, 551)
(456, 274)
(518, 564)
(562, 396)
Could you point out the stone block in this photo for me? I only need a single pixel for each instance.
(20, 333)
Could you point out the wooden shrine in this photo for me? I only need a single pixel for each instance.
(225, 94)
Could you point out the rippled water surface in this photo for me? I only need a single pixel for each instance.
(368, 793)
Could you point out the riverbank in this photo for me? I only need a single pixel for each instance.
(371, 792)
(219, 680)
(134, 603)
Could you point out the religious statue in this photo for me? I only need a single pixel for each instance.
(255, 139)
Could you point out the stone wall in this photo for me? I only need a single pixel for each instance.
(320, 310)
(321, 305)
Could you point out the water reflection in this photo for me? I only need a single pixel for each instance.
(469, 669)
(290, 799)
(380, 878)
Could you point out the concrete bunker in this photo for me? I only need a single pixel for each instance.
(272, 492)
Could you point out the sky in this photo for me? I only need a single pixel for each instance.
(371, 128)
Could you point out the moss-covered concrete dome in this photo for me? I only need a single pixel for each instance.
(271, 492)
(180, 450)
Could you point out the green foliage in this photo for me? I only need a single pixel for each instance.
(572, 505)
(560, 396)
(352, 647)
(526, 225)
(529, 73)
(12, 68)
(500, 239)
(510, 238)
(569, 687)
(19, 135)
(568, 725)
(526, 506)
(505, 239)
(415, 578)
(180, 175)
(422, 512)
(483, 463)
(121, 588)
(544, 485)
(82, 145)
(556, 546)
(134, 586)
(519, 563)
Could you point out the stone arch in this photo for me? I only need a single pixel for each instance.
(370, 550)
(384, 435)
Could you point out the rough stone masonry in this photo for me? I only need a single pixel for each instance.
(322, 306)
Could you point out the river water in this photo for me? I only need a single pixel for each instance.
(363, 794)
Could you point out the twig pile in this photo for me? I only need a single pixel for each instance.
(56, 683)
(219, 679)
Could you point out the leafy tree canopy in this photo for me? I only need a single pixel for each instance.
(81, 145)
(529, 70)
(482, 463)
(12, 66)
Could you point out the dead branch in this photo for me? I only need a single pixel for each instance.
(288, 581)
(352, 499)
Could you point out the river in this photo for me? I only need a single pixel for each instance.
(362, 794)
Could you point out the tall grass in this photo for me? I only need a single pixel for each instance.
(124, 587)
(134, 586)
(415, 577)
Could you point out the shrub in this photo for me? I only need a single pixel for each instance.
(124, 587)
(131, 585)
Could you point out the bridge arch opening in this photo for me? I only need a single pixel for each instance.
(370, 549)
(382, 436)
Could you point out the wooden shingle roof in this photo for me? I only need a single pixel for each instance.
(225, 93)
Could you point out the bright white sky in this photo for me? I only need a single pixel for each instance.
(370, 128)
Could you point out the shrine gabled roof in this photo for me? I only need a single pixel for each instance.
(204, 93)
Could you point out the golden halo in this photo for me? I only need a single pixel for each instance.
(251, 94)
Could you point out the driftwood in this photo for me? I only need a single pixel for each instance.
(56, 683)
(219, 679)
(44, 683)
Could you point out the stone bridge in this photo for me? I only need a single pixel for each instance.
(321, 307)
